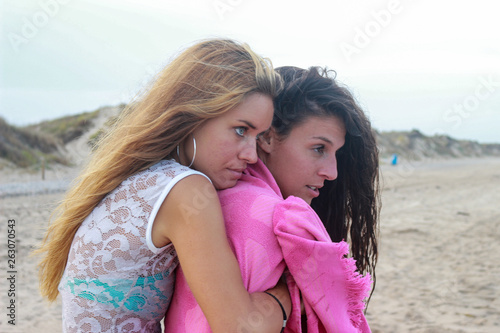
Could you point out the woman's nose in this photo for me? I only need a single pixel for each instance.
(249, 152)
(329, 170)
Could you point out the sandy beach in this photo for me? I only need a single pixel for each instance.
(438, 270)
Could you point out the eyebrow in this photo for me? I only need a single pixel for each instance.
(324, 139)
(249, 124)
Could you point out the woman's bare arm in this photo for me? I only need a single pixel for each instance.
(191, 218)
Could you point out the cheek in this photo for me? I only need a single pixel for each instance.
(296, 170)
(293, 160)
(284, 168)
(224, 150)
(218, 153)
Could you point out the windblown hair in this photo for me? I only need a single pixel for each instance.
(203, 82)
(348, 205)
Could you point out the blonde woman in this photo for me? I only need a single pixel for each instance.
(147, 201)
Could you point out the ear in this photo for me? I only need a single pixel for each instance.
(266, 140)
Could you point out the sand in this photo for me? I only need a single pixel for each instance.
(438, 271)
(439, 267)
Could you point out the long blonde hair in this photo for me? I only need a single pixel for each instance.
(203, 82)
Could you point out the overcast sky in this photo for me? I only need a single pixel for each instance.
(429, 65)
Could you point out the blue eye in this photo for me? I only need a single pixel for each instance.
(240, 131)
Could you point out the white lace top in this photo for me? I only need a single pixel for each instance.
(116, 280)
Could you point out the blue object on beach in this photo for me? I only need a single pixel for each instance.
(394, 159)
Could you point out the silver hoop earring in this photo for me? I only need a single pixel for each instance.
(194, 152)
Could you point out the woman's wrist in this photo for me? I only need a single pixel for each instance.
(285, 317)
(280, 291)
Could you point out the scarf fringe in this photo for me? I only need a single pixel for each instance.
(358, 286)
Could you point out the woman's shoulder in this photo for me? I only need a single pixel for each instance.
(297, 206)
(295, 216)
(249, 189)
(249, 200)
(256, 182)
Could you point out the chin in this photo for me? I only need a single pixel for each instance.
(308, 200)
(224, 185)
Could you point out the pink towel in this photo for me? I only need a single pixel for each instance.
(332, 290)
(267, 234)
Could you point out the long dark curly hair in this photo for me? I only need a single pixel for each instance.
(349, 206)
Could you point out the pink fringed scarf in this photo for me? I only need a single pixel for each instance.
(267, 232)
(332, 290)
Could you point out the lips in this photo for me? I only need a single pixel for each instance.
(314, 190)
(236, 172)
